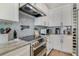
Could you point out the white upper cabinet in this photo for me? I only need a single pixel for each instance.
(9, 11)
(61, 14)
(67, 14)
(55, 17)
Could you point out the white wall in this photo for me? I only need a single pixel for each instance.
(24, 20)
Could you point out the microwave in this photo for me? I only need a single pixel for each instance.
(45, 31)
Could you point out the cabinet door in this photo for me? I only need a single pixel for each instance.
(57, 44)
(67, 15)
(67, 43)
(55, 17)
(9, 11)
(50, 43)
(51, 19)
(23, 51)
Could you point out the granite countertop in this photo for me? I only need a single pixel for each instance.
(12, 45)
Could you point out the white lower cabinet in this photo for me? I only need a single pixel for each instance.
(49, 43)
(53, 42)
(23, 51)
(63, 43)
(56, 40)
(60, 43)
(67, 43)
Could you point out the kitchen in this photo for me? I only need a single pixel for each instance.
(39, 29)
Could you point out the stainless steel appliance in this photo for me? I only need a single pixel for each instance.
(39, 48)
(45, 31)
(31, 10)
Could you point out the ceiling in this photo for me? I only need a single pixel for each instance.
(54, 5)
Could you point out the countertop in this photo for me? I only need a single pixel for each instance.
(12, 45)
(16, 43)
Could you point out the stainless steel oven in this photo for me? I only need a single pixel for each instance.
(38, 48)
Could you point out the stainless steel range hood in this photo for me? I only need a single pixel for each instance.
(31, 10)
